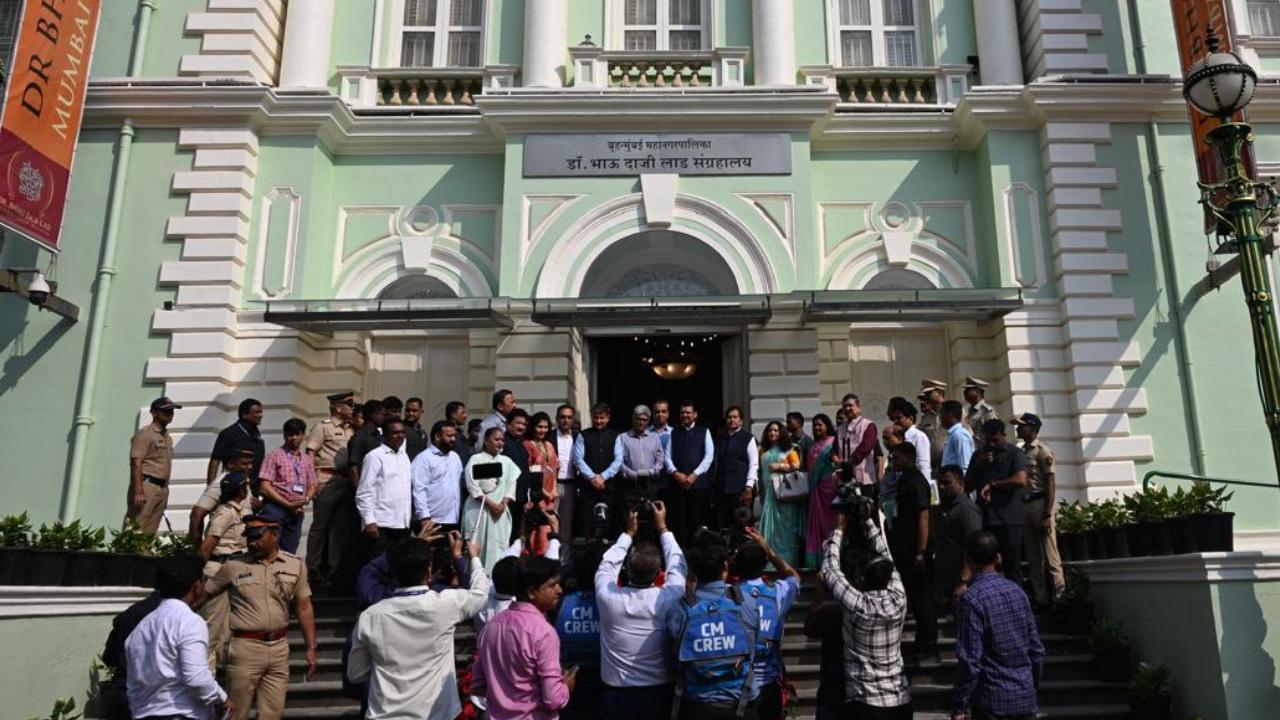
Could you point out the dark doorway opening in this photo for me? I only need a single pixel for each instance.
(625, 374)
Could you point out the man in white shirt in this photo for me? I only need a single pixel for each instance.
(403, 646)
(504, 401)
(167, 654)
(903, 414)
(384, 497)
(437, 479)
(566, 486)
(634, 663)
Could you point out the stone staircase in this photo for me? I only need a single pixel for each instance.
(1069, 689)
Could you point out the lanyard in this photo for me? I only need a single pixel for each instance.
(410, 593)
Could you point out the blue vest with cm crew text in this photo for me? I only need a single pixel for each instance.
(731, 461)
(578, 625)
(767, 667)
(715, 648)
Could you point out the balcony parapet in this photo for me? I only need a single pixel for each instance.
(595, 68)
(444, 89)
(879, 88)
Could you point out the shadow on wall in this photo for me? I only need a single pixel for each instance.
(1246, 650)
(19, 357)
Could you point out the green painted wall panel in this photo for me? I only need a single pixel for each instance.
(586, 17)
(811, 34)
(949, 31)
(1249, 644)
(506, 33)
(42, 356)
(169, 41)
(353, 24)
(55, 661)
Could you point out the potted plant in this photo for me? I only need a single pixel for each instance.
(1070, 521)
(1076, 609)
(64, 709)
(15, 549)
(1111, 651)
(84, 556)
(1093, 533)
(49, 558)
(1211, 526)
(1181, 527)
(1149, 694)
(1110, 517)
(127, 548)
(1148, 534)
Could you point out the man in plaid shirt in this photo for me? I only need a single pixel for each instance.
(1000, 657)
(875, 685)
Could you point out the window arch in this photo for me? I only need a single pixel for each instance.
(898, 279)
(416, 287)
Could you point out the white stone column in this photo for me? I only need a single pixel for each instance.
(546, 44)
(999, 52)
(773, 33)
(308, 35)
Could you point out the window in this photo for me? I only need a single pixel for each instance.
(441, 33)
(10, 11)
(877, 33)
(1264, 17)
(662, 24)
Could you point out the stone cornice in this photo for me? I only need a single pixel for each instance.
(168, 103)
(1198, 567)
(40, 601)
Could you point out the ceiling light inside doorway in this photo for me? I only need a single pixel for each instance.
(676, 370)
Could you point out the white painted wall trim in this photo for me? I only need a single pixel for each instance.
(49, 601)
(1199, 567)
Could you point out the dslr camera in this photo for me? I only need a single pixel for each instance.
(857, 508)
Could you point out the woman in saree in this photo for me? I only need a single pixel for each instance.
(780, 522)
(544, 465)
(822, 490)
(491, 482)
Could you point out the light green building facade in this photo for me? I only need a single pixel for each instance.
(1022, 176)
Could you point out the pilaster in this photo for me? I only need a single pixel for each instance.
(783, 370)
(308, 35)
(773, 35)
(999, 54)
(546, 32)
(539, 364)
(1055, 38)
(241, 39)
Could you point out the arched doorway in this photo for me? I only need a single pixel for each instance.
(627, 367)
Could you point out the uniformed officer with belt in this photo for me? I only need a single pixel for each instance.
(932, 394)
(330, 528)
(979, 410)
(261, 588)
(223, 540)
(150, 462)
(1040, 543)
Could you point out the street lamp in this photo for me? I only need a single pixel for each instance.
(1221, 85)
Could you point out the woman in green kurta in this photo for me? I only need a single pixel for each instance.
(485, 518)
(780, 523)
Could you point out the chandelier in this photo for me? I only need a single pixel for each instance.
(673, 358)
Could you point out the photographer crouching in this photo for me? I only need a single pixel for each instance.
(863, 580)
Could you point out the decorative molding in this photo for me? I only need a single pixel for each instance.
(1250, 566)
(784, 227)
(264, 235)
(970, 246)
(530, 234)
(17, 601)
(1012, 240)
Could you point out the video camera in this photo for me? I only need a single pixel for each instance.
(866, 568)
(857, 508)
(737, 535)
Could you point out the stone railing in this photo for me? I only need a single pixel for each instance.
(428, 88)
(880, 87)
(596, 68)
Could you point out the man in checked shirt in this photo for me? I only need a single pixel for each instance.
(999, 657)
(875, 606)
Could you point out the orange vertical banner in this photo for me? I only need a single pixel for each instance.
(1192, 20)
(42, 112)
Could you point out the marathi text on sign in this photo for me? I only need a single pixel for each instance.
(632, 154)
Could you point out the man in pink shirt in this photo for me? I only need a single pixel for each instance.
(288, 482)
(517, 667)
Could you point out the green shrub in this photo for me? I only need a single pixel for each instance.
(15, 531)
(62, 710)
(70, 536)
(1071, 518)
(1108, 635)
(1150, 683)
(1150, 505)
(173, 545)
(1077, 585)
(1108, 514)
(131, 541)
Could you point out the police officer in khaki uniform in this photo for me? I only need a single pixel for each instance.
(330, 529)
(241, 462)
(261, 587)
(223, 540)
(1040, 542)
(978, 410)
(150, 462)
(932, 394)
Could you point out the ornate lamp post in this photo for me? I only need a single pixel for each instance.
(1221, 85)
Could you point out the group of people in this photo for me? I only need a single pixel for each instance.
(512, 489)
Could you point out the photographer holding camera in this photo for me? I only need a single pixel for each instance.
(863, 580)
(634, 664)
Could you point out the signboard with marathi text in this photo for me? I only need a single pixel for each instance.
(42, 112)
(1192, 20)
(641, 153)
